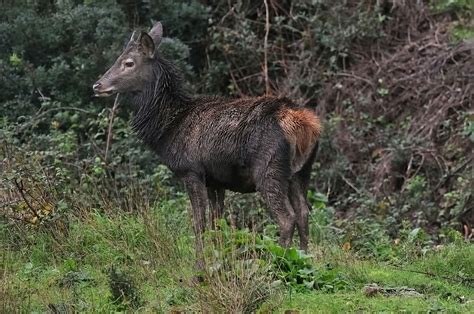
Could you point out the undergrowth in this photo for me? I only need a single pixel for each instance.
(82, 230)
(116, 261)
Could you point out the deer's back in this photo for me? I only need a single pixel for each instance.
(232, 141)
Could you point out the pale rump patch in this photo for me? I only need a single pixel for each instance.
(302, 128)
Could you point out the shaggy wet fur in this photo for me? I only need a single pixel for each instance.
(213, 144)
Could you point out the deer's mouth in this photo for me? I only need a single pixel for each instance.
(102, 91)
(106, 93)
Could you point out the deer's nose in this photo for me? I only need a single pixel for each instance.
(96, 86)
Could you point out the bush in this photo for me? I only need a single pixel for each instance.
(393, 175)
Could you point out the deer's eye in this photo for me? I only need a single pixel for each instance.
(129, 64)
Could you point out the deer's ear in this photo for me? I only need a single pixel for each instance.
(156, 33)
(147, 44)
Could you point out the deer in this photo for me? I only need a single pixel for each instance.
(263, 144)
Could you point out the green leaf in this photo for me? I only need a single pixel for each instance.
(15, 60)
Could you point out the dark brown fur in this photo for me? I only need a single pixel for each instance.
(264, 144)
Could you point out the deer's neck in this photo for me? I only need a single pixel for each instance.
(161, 104)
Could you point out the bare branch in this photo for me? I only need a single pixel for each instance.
(109, 132)
(265, 48)
(21, 190)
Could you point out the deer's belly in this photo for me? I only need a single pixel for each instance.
(235, 178)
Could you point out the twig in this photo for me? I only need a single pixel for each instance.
(230, 12)
(98, 150)
(19, 186)
(356, 77)
(109, 132)
(350, 184)
(41, 114)
(232, 75)
(469, 280)
(265, 48)
(17, 218)
(407, 173)
(8, 203)
(43, 98)
(450, 174)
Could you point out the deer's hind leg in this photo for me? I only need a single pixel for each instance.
(273, 185)
(298, 197)
(300, 205)
(276, 197)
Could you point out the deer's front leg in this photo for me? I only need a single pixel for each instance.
(197, 191)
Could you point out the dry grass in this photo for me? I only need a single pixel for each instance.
(236, 282)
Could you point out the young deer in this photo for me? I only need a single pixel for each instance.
(213, 144)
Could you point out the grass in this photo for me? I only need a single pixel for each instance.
(356, 301)
(152, 263)
(76, 271)
(437, 277)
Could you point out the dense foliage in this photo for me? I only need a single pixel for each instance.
(392, 81)
(391, 150)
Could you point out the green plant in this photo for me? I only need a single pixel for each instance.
(321, 218)
(288, 266)
(368, 237)
(123, 291)
(469, 127)
(452, 5)
(236, 284)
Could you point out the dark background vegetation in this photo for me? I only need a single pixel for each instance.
(391, 79)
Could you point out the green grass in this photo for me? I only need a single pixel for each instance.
(72, 271)
(357, 301)
(441, 277)
(75, 271)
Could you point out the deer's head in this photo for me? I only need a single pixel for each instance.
(133, 68)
